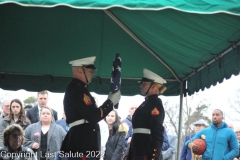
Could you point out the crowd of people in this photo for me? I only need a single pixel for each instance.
(88, 131)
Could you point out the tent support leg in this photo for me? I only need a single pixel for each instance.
(180, 121)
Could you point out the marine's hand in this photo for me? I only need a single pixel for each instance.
(114, 97)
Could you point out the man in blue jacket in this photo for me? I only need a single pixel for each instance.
(222, 143)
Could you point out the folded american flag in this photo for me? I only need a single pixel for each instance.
(115, 83)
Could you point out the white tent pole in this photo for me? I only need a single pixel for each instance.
(180, 120)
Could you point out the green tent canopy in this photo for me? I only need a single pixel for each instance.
(193, 43)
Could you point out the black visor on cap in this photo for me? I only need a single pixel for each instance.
(145, 80)
(90, 66)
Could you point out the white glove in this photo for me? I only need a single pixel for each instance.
(114, 97)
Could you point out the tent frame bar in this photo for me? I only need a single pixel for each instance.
(216, 57)
(129, 32)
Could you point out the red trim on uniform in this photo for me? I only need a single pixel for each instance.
(87, 100)
(155, 154)
(155, 112)
(84, 157)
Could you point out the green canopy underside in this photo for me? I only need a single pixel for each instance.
(36, 44)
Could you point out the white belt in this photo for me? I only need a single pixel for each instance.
(78, 122)
(141, 130)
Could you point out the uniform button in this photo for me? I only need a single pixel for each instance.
(93, 129)
(153, 154)
(154, 149)
(85, 86)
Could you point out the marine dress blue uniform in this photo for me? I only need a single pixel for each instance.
(147, 123)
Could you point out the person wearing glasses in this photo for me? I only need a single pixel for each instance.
(16, 116)
(238, 137)
(13, 145)
(5, 109)
(221, 141)
(147, 121)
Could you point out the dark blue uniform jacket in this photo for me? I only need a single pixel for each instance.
(79, 104)
(150, 115)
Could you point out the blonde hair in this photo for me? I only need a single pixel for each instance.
(161, 88)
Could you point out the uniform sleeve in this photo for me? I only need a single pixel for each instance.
(81, 102)
(156, 126)
(94, 114)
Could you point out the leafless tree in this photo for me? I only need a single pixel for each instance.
(234, 104)
(192, 111)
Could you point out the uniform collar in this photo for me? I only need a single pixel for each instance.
(79, 82)
(151, 96)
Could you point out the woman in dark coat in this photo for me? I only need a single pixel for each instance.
(16, 116)
(117, 132)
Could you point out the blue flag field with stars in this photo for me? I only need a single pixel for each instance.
(115, 83)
